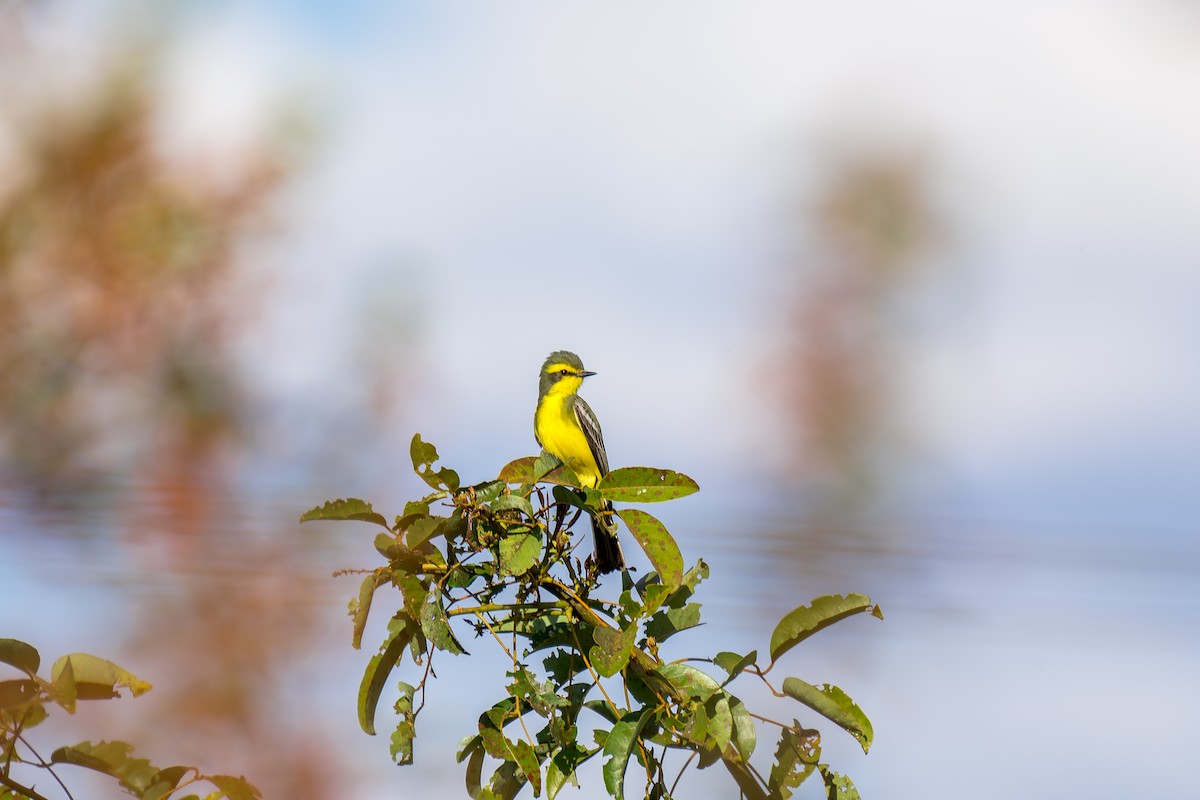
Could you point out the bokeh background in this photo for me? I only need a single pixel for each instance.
(911, 289)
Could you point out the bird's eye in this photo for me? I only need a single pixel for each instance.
(564, 372)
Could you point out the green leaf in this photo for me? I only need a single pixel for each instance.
(387, 545)
(612, 650)
(234, 788)
(507, 781)
(413, 590)
(17, 693)
(670, 621)
(424, 455)
(164, 782)
(24, 657)
(529, 470)
(546, 463)
(795, 759)
(658, 545)
(422, 530)
(349, 509)
(518, 552)
(527, 760)
(436, 625)
(835, 705)
(506, 502)
(471, 749)
(402, 738)
(96, 678)
(645, 485)
(570, 497)
(400, 630)
(100, 757)
(747, 781)
(720, 720)
(837, 787)
(563, 765)
(653, 595)
(111, 758)
(63, 689)
(689, 682)
(519, 471)
(618, 746)
(744, 735)
(802, 622)
(733, 663)
(519, 752)
(562, 665)
(361, 607)
(487, 491)
(538, 695)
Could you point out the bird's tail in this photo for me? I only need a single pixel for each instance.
(609, 557)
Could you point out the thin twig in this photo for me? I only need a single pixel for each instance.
(595, 677)
(24, 791)
(48, 766)
(682, 770)
(512, 656)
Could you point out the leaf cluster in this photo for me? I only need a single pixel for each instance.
(24, 704)
(496, 560)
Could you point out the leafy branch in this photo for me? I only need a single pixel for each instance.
(78, 676)
(499, 556)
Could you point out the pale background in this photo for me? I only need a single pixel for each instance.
(478, 185)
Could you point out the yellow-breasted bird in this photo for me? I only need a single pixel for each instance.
(566, 427)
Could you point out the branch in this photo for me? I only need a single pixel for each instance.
(486, 608)
(24, 791)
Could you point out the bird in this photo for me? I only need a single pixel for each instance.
(566, 427)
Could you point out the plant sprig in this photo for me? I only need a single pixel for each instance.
(502, 558)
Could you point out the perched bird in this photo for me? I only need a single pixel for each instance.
(566, 427)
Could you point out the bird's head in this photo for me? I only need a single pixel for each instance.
(562, 373)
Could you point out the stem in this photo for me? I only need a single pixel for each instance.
(762, 674)
(24, 791)
(487, 608)
(512, 657)
(595, 678)
(682, 770)
(46, 765)
(768, 720)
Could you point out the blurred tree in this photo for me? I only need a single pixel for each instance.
(872, 230)
(123, 296)
(115, 276)
(871, 223)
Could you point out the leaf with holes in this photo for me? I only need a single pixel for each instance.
(619, 746)
(646, 485)
(802, 622)
(436, 625)
(341, 510)
(657, 544)
(835, 705)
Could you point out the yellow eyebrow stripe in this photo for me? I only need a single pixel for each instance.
(561, 366)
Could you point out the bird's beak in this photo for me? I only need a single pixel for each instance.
(586, 374)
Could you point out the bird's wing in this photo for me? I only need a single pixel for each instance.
(591, 432)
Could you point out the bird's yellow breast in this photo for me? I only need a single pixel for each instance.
(559, 432)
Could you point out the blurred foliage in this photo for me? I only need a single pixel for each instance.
(119, 293)
(125, 293)
(25, 704)
(501, 561)
(871, 229)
